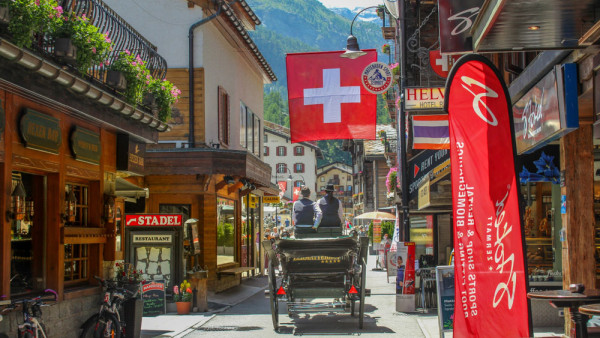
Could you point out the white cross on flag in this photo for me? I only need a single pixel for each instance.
(296, 194)
(327, 99)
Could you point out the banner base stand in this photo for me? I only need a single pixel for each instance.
(405, 303)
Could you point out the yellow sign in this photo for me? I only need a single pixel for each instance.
(270, 199)
(377, 231)
(424, 199)
(251, 200)
(423, 98)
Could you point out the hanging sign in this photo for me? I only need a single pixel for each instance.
(156, 220)
(488, 247)
(130, 155)
(424, 199)
(441, 63)
(40, 132)
(455, 20)
(377, 77)
(424, 98)
(271, 199)
(428, 163)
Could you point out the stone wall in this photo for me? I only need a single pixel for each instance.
(62, 319)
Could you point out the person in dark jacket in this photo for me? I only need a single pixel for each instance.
(331, 207)
(305, 211)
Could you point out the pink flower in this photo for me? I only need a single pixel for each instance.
(127, 52)
(133, 63)
(59, 10)
(94, 50)
(162, 87)
(37, 2)
(176, 290)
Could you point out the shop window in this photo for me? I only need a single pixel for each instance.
(27, 233)
(76, 195)
(76, 263)
(226, 231)
(119, 231)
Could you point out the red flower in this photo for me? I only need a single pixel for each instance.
(188, 290)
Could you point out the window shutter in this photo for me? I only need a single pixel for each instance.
(223, 111)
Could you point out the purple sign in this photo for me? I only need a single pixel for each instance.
(456, 19)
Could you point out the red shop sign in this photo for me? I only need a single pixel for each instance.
(153, 220)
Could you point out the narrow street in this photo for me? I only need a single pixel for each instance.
(252, 317)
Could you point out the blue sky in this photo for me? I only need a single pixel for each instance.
(351, 4)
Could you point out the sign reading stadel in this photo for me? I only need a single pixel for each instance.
(153, 220)
(424, 98)
(40, 132)
(153, 295)
(85, 145)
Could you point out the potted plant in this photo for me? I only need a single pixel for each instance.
(127, 276)
(26, 17)
(131, 70)
(391, 180)
(166, 95)
(182, 295)
(380, 11)
(385, 49)
(78, 41)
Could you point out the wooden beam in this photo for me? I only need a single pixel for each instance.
(235, 187)
(220, 185)
(245, 192)
(204, 181)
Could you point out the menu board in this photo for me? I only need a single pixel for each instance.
(445, 294)
(153, 295)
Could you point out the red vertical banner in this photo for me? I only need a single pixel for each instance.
(296, 193)
(409, 272)
(282, 188)
(490, 275)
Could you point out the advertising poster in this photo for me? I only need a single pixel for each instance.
(445, 293)
(153, 295)
(490, 275)
(405, 277)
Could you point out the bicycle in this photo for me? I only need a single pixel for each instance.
(32, 326)
(107, 322)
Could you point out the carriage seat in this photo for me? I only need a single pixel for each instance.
(306, 231)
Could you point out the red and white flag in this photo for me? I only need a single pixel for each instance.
(282, 188)
(296, 194)
(328, 98)
(490, 275)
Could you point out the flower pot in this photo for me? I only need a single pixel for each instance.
(116, 79)
(183, 308)
(4, 14)
(65, 50)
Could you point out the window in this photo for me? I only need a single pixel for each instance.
(243, 126)
(223, 116)
(281, 168)
(27, 236)
(281, 151)
(298, 150)
(266, 138)
(256, 136)
(266, 151)
(298, 183)
(299, 167)
(322, 178)
(349, 188)
(342, 188)
(349, 178)
(77, 255)
(226, 231)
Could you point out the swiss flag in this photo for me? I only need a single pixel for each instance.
(327, 99)
(296, 193)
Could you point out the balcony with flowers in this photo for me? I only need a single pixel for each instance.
(89, 49)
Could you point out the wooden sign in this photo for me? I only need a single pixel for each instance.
(153, 220)
(40, 132)
(424, 199)
(130, 155)
(153, 295)
(85, 145)
(271, 199)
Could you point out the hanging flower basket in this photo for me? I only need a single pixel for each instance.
(65, 50)
(116, 79)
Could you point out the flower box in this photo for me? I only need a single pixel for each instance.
(65, 50)
(116, 79)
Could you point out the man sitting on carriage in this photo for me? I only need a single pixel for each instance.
(331, 207)
(305, 211)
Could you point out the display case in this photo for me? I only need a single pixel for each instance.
(539, 253)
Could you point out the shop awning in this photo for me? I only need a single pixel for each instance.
(516, 25)
(125, 188)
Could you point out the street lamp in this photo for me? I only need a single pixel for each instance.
(352, 49)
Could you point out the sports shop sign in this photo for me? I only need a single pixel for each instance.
(421, 166)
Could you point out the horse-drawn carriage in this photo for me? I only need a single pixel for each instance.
(321, 271)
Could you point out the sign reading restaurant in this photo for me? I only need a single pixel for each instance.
(424, 98)
(158, 220)
(152, 238)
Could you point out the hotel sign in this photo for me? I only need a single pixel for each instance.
(40, 132)
(85, 145)
(424, 98)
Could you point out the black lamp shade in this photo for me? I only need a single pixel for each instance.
(352, 49)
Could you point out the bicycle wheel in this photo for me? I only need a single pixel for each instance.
(101, 324)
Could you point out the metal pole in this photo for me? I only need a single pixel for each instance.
(405, 231)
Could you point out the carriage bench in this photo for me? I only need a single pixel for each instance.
(235, 271)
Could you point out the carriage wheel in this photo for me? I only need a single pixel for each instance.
(273, 297)
(363, 279)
